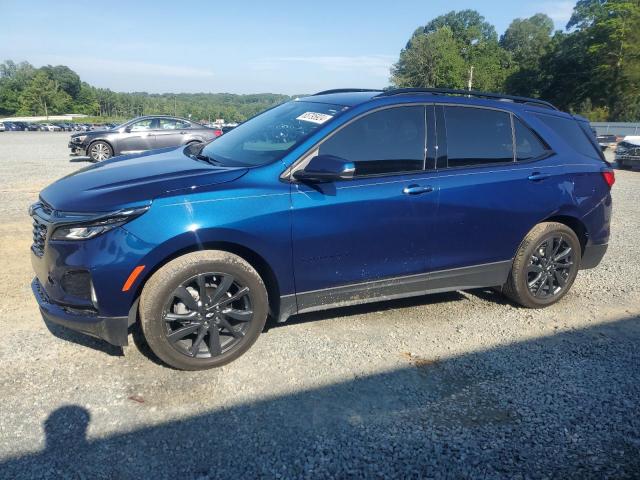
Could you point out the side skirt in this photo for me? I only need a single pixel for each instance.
(464, 278)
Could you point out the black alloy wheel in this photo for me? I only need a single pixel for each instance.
(545, 265)
(550, 266)
(207, 315)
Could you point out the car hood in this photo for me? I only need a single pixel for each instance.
(125, 181)
(91, 132)
(632, 139)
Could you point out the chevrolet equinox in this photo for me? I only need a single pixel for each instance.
(342, 197)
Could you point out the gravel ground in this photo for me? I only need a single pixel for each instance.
(458, 385)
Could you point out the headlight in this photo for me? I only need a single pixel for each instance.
(79, 139)
(92, 228)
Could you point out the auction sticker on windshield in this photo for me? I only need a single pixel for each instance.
(314, 117)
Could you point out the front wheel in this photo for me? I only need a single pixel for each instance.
(545, 266)
(99, 151)
(203, 310)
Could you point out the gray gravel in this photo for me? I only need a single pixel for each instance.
(459, 385)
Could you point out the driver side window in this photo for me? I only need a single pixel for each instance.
(385, 142)
(142, 125)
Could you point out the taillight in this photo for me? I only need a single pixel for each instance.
(609, 177)
(217, 133)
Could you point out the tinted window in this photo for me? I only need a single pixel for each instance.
(386, 141)
(528, 145)
(477, 136)
(570, 131)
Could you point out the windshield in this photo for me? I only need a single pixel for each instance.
(268, 136)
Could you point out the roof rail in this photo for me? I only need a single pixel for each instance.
(469, 93)
(347, 90)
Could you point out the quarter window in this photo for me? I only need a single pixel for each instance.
(528, 145)
(478, 136)
(384, 142)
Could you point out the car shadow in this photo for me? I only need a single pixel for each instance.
(78, 159)
(559, 406)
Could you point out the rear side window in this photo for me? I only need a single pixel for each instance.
(570, 131)
(528, 145)
(384, 142)
(478, 136)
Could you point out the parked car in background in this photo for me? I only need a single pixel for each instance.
(228, 127)
(607, 141)
(335, 199)
(13, 127)
(65, 127)
(628, 152)
(22, 126)
(51, 127)
(139, 135)
(2, 127)
(34, 127)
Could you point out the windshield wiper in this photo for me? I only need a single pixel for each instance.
(207, 159)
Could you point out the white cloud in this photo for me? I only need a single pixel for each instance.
(559, 11)
(370, 65)
(126, 67)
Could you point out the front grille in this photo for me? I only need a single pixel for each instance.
(39, 237)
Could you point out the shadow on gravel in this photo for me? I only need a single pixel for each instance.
(83, 339)
(564, 406)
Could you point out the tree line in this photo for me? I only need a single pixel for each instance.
(592, 68)
(26, 90)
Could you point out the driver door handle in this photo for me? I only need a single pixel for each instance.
(417, 189)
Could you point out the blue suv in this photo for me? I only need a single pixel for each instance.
(343, 197)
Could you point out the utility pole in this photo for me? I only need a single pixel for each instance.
(470, 78)
(175, 107)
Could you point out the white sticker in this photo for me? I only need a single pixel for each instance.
(314, 117)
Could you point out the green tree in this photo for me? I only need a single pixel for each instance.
(13, 80)
(612, 28)
(43, 96)
(431, 60)
(469, 41)
(67, 79)
(527, 41)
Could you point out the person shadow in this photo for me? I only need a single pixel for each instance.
(66, 444)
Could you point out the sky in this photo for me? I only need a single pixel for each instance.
(236, 46)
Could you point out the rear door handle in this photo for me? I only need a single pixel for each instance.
(537, 176)
(417, 189)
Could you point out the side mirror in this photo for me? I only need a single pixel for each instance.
(127, 129)
(325, 168)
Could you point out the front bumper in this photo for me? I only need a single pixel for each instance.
(628, 160)
(112, 329)
(77, 147)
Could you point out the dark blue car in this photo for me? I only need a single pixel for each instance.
(342, 197)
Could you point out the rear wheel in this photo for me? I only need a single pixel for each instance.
(203, 310)
(99, 151)
(545, 266)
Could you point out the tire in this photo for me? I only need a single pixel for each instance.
(99, 151)
(554, 268)
(165, 318)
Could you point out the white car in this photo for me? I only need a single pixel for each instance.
(51, 128)
(2, 128)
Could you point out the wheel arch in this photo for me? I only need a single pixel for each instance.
(575, 224)
(104, 140)
(250, 256)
